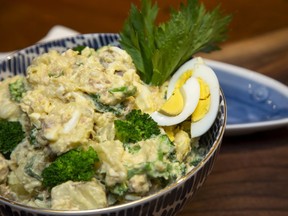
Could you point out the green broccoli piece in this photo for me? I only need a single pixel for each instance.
(17, 89)
(11, 134)
(74, 165)
(135, 127)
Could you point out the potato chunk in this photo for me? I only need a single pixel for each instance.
(78, 196)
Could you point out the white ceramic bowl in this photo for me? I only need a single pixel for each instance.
(167, 201)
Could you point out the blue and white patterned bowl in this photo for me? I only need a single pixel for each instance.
(168, 201)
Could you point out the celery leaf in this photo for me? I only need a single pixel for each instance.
(159, 50)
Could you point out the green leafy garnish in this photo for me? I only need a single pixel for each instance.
(159, 50)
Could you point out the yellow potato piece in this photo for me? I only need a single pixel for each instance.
(174, 105)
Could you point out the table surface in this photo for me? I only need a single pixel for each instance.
(250, 176)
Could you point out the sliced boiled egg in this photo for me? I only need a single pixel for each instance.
(192, 91)
(183, 74)
(203, 103)
(169, 107)
(200, 125)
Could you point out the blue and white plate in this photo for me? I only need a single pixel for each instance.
(254, 102)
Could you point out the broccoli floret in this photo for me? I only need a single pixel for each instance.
(74, 165)
(135, 127)
(17, 89)
(11, 134)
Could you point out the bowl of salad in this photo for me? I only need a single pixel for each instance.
(107, 124)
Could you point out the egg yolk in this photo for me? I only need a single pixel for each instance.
(183, 78)
(204, 102)
(170, 132)
(174, 105)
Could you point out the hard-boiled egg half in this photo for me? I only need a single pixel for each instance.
(193, 91)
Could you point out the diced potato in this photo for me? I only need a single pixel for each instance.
(4, 169)
(139, 184)
(78, 196)
(111, 153)
(10, 110)
(182, 143)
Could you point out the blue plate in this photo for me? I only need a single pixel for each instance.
(254, 102)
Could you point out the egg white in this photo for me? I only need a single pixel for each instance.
(207, 74)
(191, 94)
(199, 70)
(186, 66)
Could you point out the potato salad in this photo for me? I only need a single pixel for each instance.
(85, 132)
